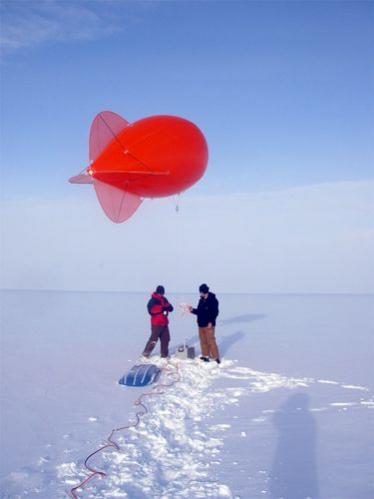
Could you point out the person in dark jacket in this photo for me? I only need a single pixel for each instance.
(207, 312)
(159, 308)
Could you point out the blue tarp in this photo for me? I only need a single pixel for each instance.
(141, 375)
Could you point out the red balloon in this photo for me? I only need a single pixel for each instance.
(153, 157)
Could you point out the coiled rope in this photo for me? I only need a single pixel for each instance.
(155, 390)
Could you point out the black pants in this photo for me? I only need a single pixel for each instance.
(161, 332)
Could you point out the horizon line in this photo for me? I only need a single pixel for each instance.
(272, 293)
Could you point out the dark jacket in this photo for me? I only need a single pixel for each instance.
(207, 310)
(159, 308)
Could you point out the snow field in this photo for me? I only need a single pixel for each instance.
(170, 453)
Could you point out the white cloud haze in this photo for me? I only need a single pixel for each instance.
(33, 23)
(309, 239)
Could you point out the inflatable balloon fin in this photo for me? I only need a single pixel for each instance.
(105, 128)
(82, 178)
(118, 205)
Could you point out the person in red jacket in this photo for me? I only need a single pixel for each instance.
(159, 308)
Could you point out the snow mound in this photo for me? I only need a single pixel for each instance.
(171, 453)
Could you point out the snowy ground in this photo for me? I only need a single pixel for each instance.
(289, 413)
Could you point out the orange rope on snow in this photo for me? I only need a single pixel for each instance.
(93, 472)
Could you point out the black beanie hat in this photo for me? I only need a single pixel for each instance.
(204, 288)
(160, 290)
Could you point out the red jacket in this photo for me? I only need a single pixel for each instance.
(159, 308)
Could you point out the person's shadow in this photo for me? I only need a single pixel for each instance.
(224, 345)
(294, 469)
(226, 342)
(229, 340)
(240, 319)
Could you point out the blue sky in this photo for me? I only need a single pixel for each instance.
(284, 94)
(282, 90)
